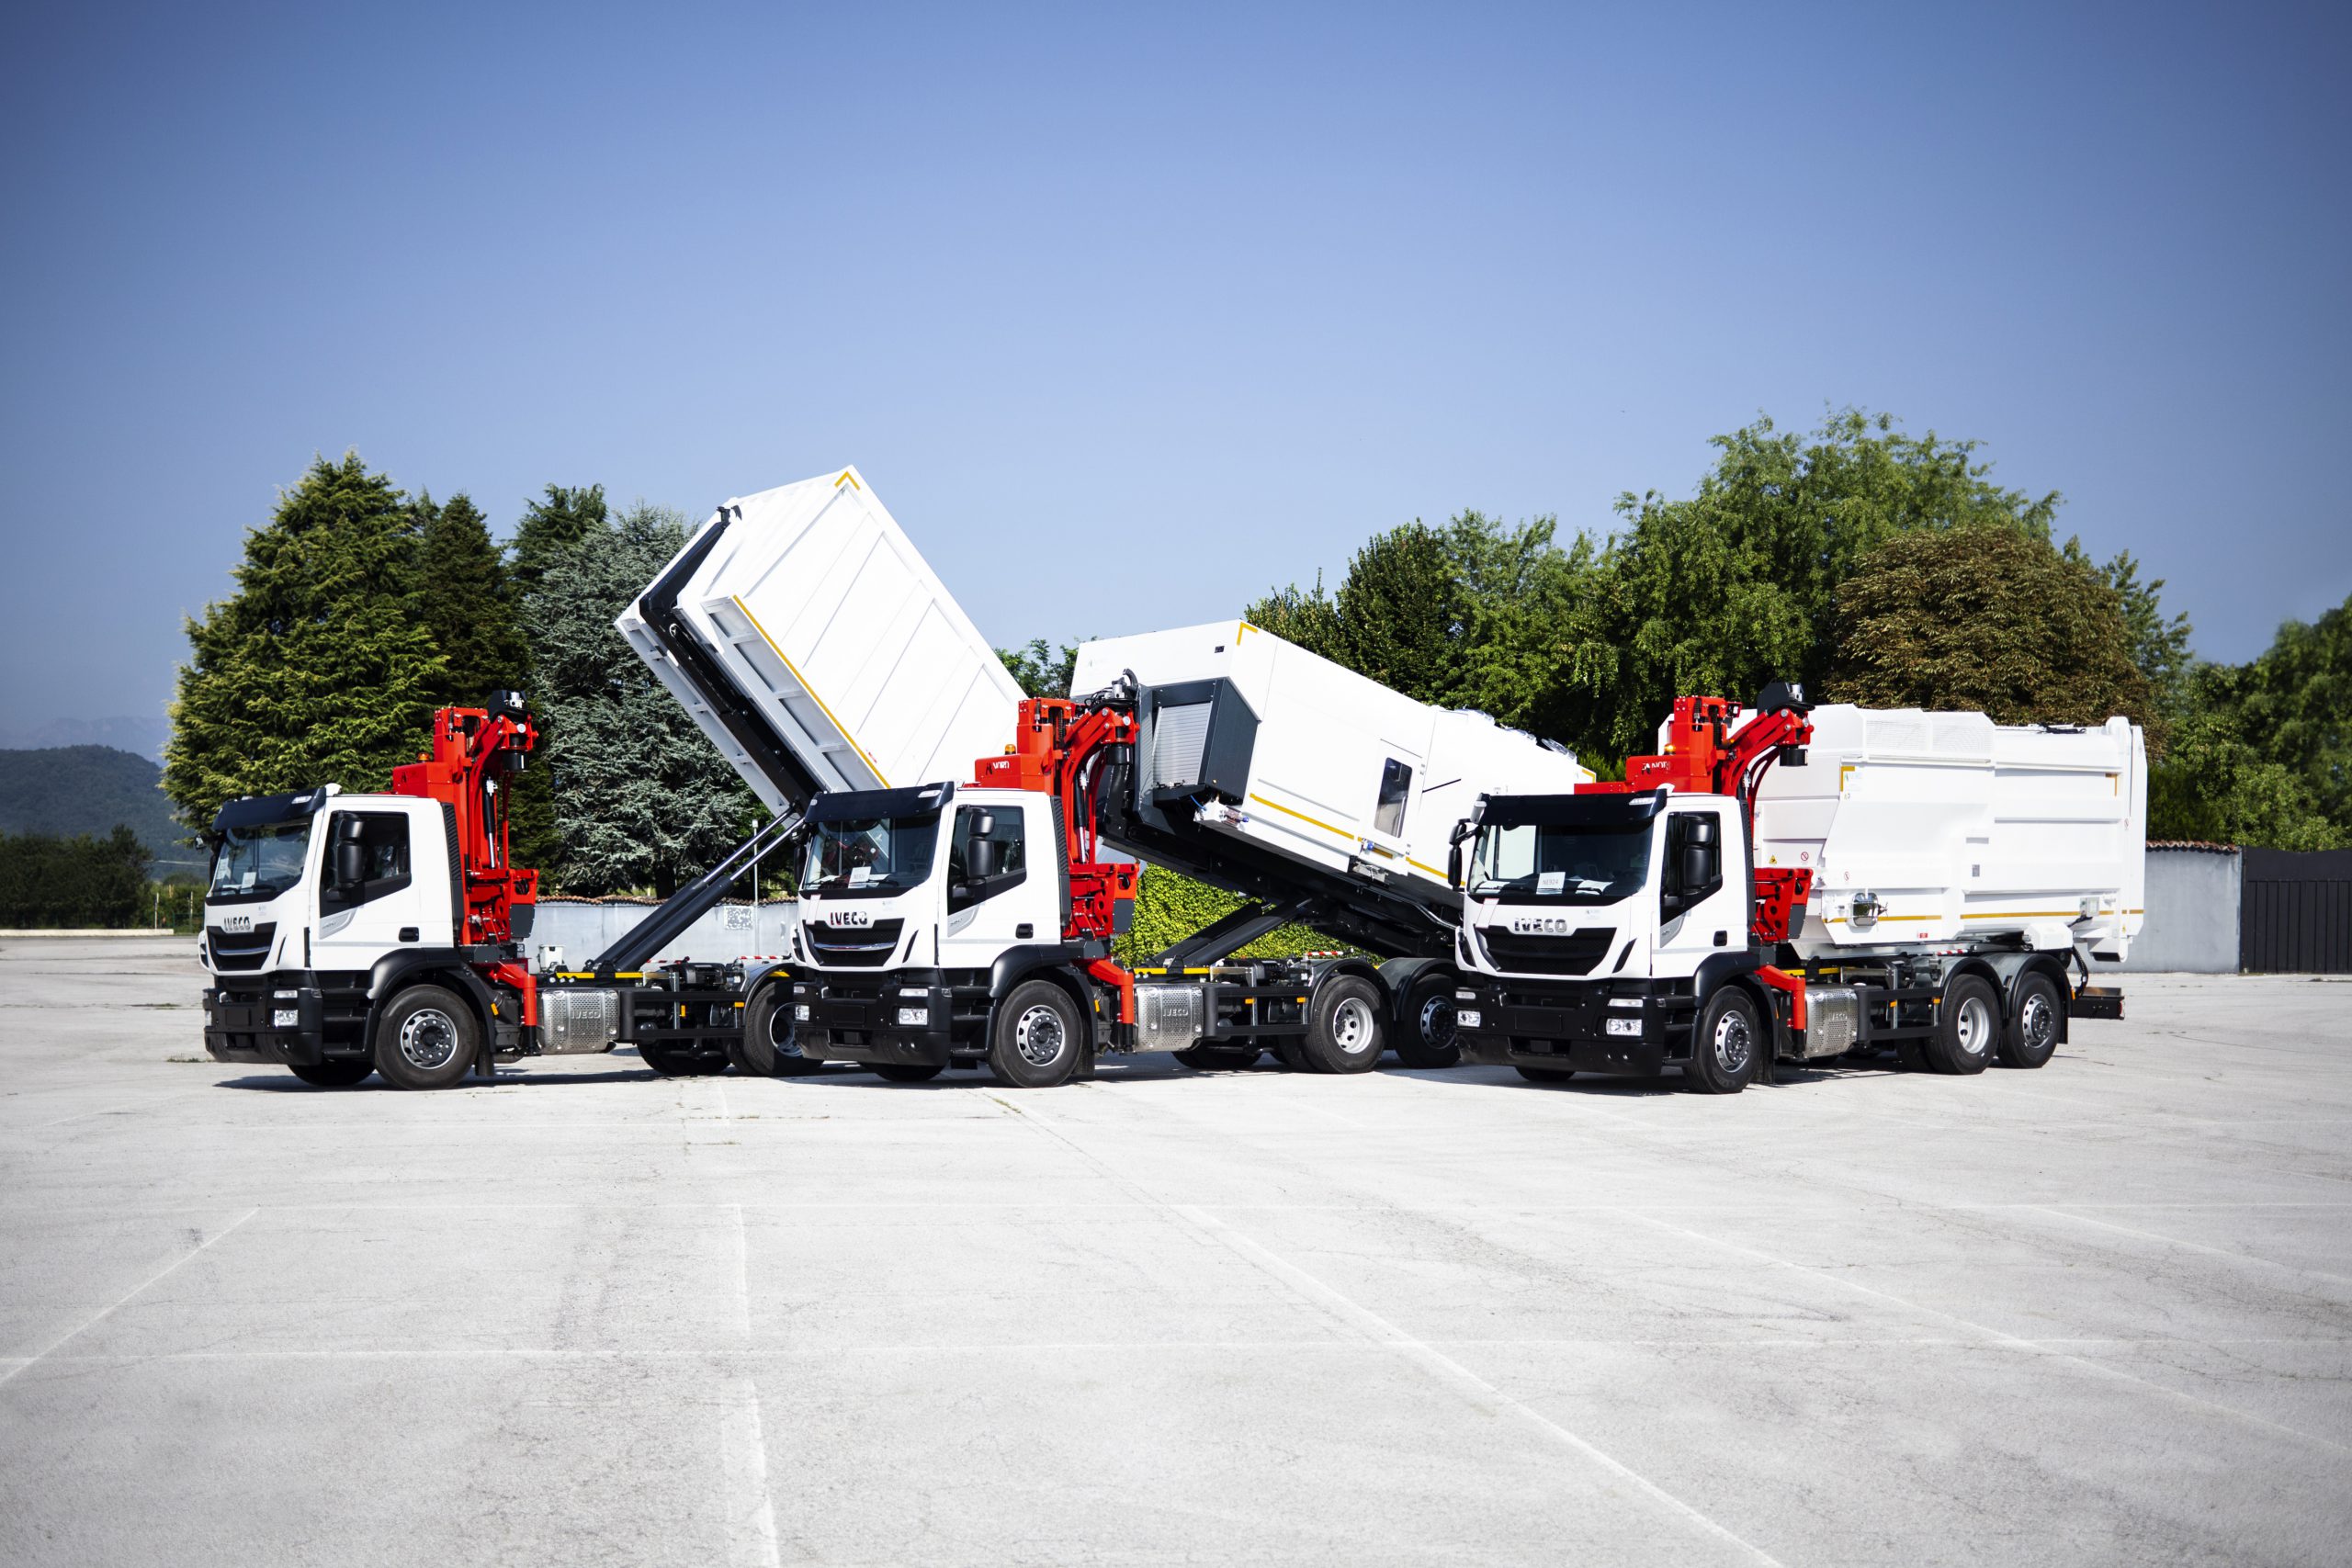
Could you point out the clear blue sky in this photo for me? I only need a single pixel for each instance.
(1130, 313)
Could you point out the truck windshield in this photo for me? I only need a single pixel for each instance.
(870, 855)
(1561, 864)
(259, 861)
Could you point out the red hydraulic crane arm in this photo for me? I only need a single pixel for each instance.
(1065, 749)
(1705, 755)
(473, 753)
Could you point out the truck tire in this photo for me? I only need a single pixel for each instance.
(1724, 1045)
(1218, 1058)
(908, 1072)
(769, 1047)
(1035, 1036)
(1968, 1028)
(340, 1072)
(1544, 1075)
(1425, 1024)
(427, 1038)
(2033, 1034)
(1344, 1025)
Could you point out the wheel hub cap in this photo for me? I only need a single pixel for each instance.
(429, 1038)
(1352, 1026)
(1733, 1042)
(1039, 1035)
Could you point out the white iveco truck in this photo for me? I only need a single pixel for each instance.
(956, 923)
(350, 934)
(1801, 883)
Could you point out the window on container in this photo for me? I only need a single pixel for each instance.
(1396, 783)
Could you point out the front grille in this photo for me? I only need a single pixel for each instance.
(240, 950)
(1574, 954)
(867, 947)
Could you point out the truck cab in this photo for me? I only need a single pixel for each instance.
(923, 912)
(1592, 924)
(321, 905)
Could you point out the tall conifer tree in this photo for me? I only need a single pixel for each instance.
(468, 601)
(321, 667)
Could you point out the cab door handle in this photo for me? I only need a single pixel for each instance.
(1025, 930)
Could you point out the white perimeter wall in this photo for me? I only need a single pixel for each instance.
(2192, 914)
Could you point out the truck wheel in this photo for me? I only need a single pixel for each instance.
(1037, 1036)
(1218, 1058)
(427, 1039)
(1724, 1047)
(1424, 1033)
(340, 1073)
(1544, 1075)
(2033, 1035)
(770, 1047)
(1344, 1026)
(906, 1072)
(1968, 1028)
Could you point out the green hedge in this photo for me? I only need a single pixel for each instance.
(1169, 908)
(48, 881)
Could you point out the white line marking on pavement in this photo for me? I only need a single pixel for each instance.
(1995, 1335)
(751, 1511)
(2189, 1246)
(108, 1310)
(1480, 1391)
(743, 1276)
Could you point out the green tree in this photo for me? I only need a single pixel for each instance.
(322, 667)
(641, 798)
(468, 602)
(549, 534)
(1039, 671)
(1985, 617)
(51, 880)
(551, 528)
(2261, 752)
(1736, 586)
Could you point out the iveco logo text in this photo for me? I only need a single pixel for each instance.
(849, 917)
(237, 923)
(1539, 925)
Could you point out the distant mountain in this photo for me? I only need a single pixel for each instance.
(143, 737)
(89, 789)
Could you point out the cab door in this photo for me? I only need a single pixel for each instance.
(1702, 889)
(1004, 882)
(382, 885)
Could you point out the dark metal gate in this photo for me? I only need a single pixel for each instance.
(2296, 912)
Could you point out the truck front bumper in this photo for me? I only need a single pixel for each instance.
(269, 1020)
(1595, 1026)
(873, 1018)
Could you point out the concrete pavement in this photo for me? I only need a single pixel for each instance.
(2101, 1313)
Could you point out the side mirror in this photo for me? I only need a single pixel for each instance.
(1454, 864)
(350, 864)
(1698, 866)
(979, 861)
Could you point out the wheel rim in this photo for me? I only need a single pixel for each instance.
(1352, 1029)
(784, 1030)
(2036, 1022)
(1734, 1041)
(1436, 1022)
(1973, 1027)
(428, 1039)
(1039, 1035)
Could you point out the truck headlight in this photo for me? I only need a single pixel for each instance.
(1625, 1026)
(286, 1018)
(914, 1017)
(1466, 1017)
(800, 1013)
